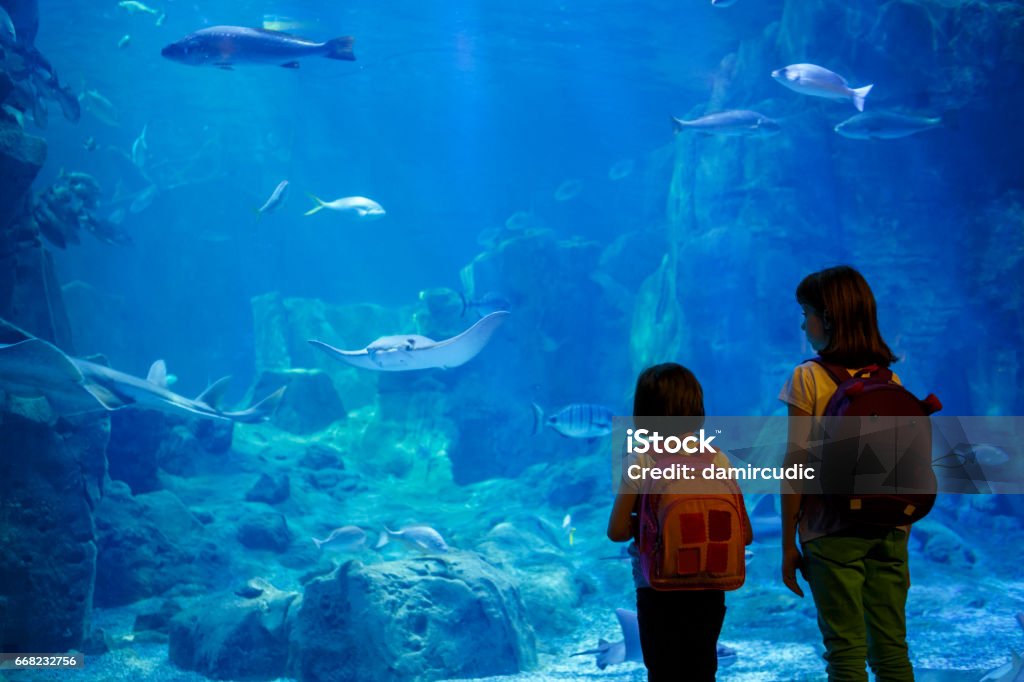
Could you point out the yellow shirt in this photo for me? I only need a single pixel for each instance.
(811, 387)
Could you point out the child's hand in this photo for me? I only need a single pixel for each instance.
(791, 561)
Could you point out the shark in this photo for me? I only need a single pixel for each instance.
(32, 367)
(403, 352)
(628, 649)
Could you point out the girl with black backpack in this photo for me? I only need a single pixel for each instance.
(858, 573)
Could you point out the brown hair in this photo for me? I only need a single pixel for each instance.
(842, 298)
(668, 390)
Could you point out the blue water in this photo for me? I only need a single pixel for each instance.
(456, 117)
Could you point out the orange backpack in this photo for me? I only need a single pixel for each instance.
(693, 533)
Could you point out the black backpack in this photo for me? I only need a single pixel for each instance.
(876, 451)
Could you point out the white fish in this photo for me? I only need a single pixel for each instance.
(732, 123)
(100, 107)
(520, 220)
(343, 539)
(990, 455)
(884, 125)
(276, 198)
(817, 81)
(621, 169)
(359, 207)
(569, 189)
(981, 453)
(142, 202)
(134, 6)
(723, 3)
(140, 149)
(423, 538)
(124, 41)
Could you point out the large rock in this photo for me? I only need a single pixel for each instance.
(29, 291)
(51, 479)
(417, 619)
(136, 437)
(533, 551)
(270, 489)
(149, 544)
(264, 531)
(234, 638)
(21, 157)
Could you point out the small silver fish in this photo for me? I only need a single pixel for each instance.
(276, 198)
(134, 7)
(142, 202)
(723, 3)
(621, 169)
(817, 81)
(981, 453)
(124, 41)
(569, 189)
(520, 220)
(140, 149)
(422, 538)
(343, 539)
(884, 125)
(100, 107)
(732, 123)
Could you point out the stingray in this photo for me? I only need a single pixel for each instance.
(409, 351)
(612, 653)
(32, 367)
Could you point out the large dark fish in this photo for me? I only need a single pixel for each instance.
(227, 46)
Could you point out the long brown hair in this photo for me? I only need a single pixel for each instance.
(842, 298)
(668, 390)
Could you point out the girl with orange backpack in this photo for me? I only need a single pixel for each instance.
(689, 536)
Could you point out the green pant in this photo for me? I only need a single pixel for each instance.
(859, 579)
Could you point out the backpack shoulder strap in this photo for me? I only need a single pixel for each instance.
(837, 373)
